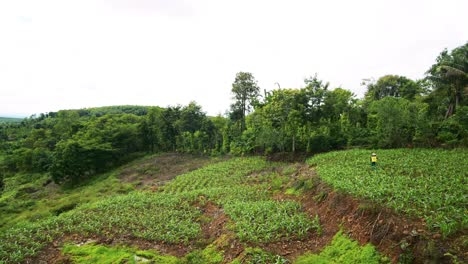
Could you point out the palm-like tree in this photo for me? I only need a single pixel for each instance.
(449, 75)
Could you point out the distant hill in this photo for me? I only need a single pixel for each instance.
(115, 109)
(10, 120)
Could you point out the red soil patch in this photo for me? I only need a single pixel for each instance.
(215, 231)
(213, 228)
(159, 169)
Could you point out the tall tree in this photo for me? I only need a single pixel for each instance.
(449, 76)
(246, 92)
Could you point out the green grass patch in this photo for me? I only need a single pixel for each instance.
(258, 256)
(428, 183)
(90, 254)
(26, 199)
(343, 250)
(209, 255)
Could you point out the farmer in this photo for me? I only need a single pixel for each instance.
(373, 160)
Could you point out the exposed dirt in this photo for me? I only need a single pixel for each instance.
(288, 156)
(215, 231)
(213, 225)
(159, 169)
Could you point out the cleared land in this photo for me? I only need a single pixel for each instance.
(187, 209)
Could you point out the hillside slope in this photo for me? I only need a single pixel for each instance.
(241, 210)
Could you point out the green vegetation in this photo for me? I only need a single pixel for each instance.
(209, 255)
(79, 150)
(344, 251)
(265, 221)
(73, 145)
(91, 253)
(29, 197)
(259, 256)
(257, 218)
(169, 216)
(421, 182)
(10, 120)
(151, 216)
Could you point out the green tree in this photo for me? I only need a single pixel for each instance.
(449, 76)
(246, 93)
(393, 85)
(151, 128)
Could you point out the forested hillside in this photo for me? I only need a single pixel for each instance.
(9, 120)
(395, 112)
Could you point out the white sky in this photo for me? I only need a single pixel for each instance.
(71, 54)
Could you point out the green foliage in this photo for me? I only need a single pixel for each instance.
(393, 86)
(10, 120)
(449, 78)
(394, 121)
(25, 198)
(421, 182)
(256, 217)
(91, 253)
(74, 145)
(258, 256)
(209, 255)
(161, 217)
(245, 92)
(266, 221)
(168, 216)
(344, 251)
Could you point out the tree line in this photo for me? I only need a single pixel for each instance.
(396, 111)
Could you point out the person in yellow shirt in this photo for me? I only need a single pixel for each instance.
(373, 160)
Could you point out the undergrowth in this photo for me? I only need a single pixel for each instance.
(343, 250)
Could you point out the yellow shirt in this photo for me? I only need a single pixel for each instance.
(374, 159)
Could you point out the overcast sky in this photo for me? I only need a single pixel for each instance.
(72, 54)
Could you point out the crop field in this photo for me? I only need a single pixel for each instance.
(257, 218)
(431, 184)
(243, 190)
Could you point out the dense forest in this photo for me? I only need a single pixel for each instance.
(395, 112)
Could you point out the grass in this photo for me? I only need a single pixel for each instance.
(343, 250)
(91, 253)
(26, 199)
(426, 183)
(258, 256)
